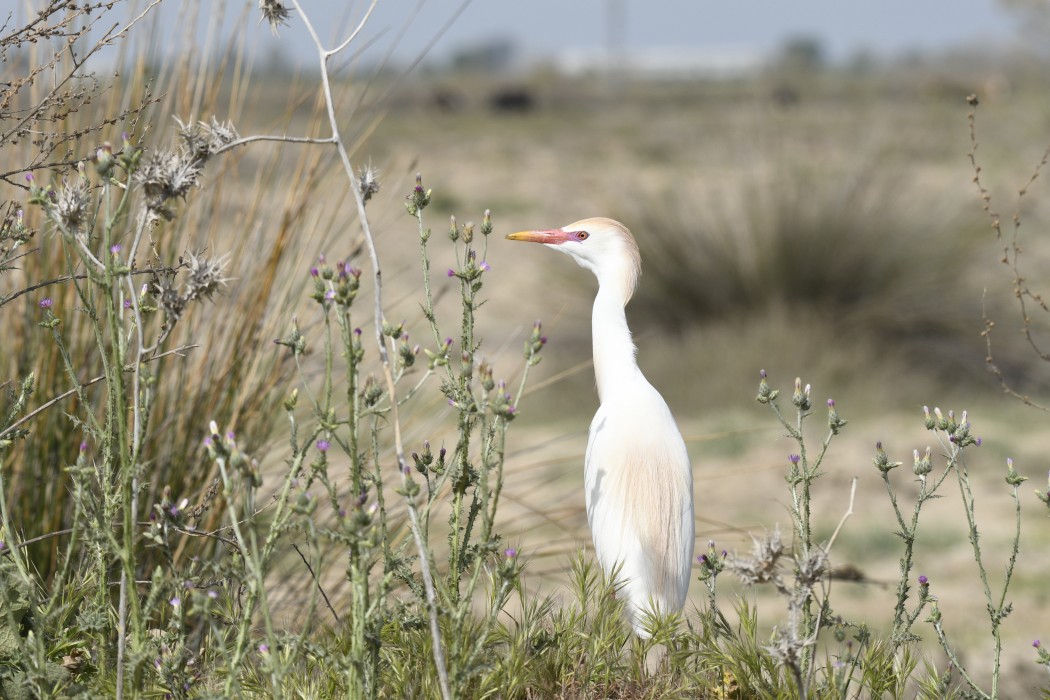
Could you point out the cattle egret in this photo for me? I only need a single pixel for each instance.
(637, 474)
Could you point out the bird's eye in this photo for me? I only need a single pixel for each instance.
(582, 235)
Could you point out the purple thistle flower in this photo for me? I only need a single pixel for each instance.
(451, 272)
(213, 594)
(1037, 644)
(330, 294)
(923, 581)
(794, 459)
(831, 403)
(83, 446)
(322, 445)
(127, 303)
(175, 602)
(45, 303)
(510, 553)
(485, 267)
(115, 248)
(314, 272)
(264, 648)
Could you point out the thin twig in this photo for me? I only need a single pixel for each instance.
(316, 581)
(69, 278)
(424, 558)
(845, 516)
(281, 139)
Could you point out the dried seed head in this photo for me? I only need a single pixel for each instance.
(763, 565)
(275, 12)
(70, 204)
(810, 570)
(206, 276)
(368, 182)
(204, 139)
(165, 176)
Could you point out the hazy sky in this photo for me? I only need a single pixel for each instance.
(544, 27)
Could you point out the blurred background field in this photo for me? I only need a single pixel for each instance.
(807, 216)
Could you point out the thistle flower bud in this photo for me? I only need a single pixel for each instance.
(535, 344)
(835, 423)
(1044, 495)
(486, 223)
(393, 331)
(929, 421)
(800, 397)
(292, 400)
(882, 461)
(942, 423)
(922, 465)
(104, 159)
(1012, 477)
(765, 394)
(487, 382)
(419, 199)
(453, 229)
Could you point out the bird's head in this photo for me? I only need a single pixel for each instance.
(603, 246)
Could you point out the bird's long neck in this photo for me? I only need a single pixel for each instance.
(614, 351)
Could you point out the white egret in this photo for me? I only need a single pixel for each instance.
(637, 474)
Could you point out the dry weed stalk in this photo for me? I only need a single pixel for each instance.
(1028, 299)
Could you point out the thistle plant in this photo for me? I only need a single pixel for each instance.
(100, 213)
(955, 439)
(794, 647)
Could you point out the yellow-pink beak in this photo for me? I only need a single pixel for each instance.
(554, 236)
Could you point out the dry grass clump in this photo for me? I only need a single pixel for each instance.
(854, 247)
